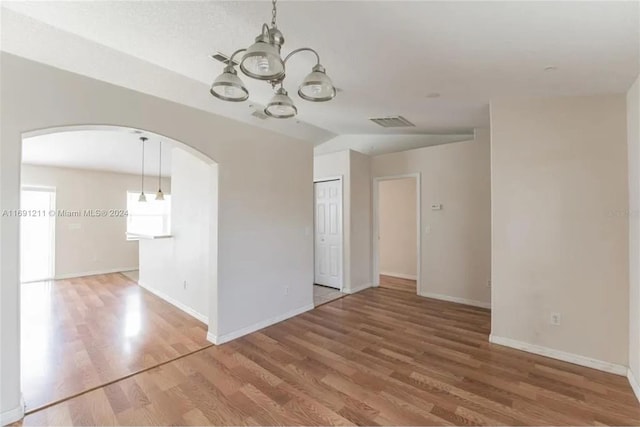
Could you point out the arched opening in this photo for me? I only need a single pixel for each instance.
(118, 299)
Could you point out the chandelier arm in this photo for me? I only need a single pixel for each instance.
(230, 62)
(303, 49)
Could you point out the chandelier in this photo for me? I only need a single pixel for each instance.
(263, 61)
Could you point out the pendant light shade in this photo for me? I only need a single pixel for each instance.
(262, 60)
(159, 194)
(281, 106)
(142, 197)
(317, 86)
(229, 87)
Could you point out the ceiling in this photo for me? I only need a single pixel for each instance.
(107, 150)
(436, 63)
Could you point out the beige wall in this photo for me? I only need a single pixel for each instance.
(455, 241)
(360, 177)
(633, 147)
(397, 227)
(355, 170)
(265, 212)
(89, 245)
(560, 229)
(180, 269)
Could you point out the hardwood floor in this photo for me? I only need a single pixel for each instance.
(381, 356)
(81, 333)
(405, 285)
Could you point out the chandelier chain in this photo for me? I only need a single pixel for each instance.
(273, 13)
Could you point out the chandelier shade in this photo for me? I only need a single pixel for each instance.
(281, 106)
(317, 86)
(229, 87)
(262, 60)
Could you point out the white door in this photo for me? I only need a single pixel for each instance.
(328, 234)
(37, 229)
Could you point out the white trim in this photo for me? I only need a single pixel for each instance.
(342, 238)
(13, 415)
(458, 300)
(634, 383)
(376, 227)
(191, 312)
(217, 340)
(399, 275)
(94, 273)
(359, 288)
(576, 359)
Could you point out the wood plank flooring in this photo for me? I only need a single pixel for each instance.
(381, 356)
(84, 332)
(405, 285)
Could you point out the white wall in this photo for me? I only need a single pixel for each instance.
(455, 241)
(89, 245)
(633, 148)
(560, 227)
(167, 264)
(265, 193)
(397, 227)
(355, 170)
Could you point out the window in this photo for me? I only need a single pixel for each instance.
(152, 218)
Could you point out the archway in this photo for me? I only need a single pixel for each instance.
(167, 270)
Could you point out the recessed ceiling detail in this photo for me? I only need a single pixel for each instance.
(392, 122)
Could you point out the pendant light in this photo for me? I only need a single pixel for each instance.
(263, 61)
(142, 197)
(281, 106)
(159, 194)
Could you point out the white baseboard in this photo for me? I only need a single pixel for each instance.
(93, 273)
(13, 415)
(191, 312)
(256, 326)
(358, 288)
(576, 359)
(399, 275)
(456, 299)
(634, 383)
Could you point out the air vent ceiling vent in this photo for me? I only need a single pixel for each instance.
(218, 56)
(392, 122)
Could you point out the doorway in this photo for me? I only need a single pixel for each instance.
(397, 231)
(329, 241)
(37, 234)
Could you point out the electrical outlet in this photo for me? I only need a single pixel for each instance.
(555, 319)
(489, 283)
(185, 284)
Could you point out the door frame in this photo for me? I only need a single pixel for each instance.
(325, 179)
(53, 191)
(376, 227)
